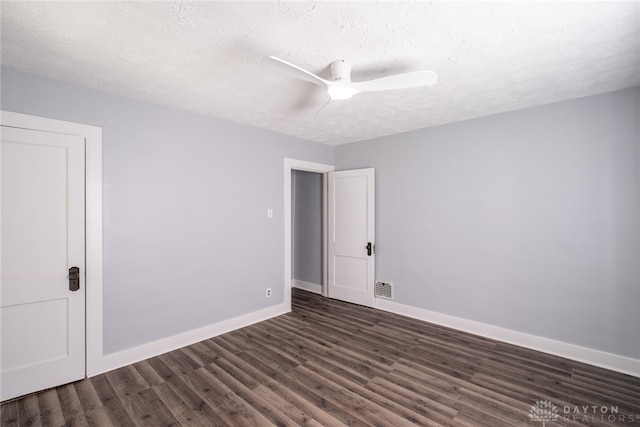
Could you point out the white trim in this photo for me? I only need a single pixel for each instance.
(93, 191)
(93, 224)
(325, 234)
(599, 358)
(307, 286)
(289, 165)
(152, 349)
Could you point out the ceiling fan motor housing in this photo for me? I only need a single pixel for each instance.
(341, 71)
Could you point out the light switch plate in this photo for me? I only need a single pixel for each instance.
(269, 213)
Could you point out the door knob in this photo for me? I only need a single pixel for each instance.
(74, 279)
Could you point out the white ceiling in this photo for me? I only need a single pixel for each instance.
(207, 57)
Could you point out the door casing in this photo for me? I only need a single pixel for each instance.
(93, 224)
(302, 165)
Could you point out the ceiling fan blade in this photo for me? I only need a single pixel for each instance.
(328, 109)
(398, 81)
(296, 72)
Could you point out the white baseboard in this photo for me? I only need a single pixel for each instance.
(606, 360)
(311, 287)
(590, 356)
(155, 348)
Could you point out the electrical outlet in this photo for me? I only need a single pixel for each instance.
(268, 292)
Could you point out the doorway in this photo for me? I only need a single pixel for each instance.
(348, 216)
(291, 165)
(90, 280)
(307, 231)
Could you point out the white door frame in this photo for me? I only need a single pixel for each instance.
(93, 223)
(302, 165)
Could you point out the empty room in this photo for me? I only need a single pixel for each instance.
(320, 213)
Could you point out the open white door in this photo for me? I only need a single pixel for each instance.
(351, 208)
(43, 231)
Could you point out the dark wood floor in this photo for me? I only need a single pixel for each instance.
(330, 363)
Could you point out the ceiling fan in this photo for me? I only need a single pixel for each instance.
(341, 87)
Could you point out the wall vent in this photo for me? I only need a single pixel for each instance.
(384, 290)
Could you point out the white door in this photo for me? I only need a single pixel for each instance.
(42, 321)
(351, 207)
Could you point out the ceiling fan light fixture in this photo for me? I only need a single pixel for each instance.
(341, 92)
(341, 87)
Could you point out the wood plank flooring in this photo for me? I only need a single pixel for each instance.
(330, 363)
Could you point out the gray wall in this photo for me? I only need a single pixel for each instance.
(306, 225)
(526, 220)
(187, 242)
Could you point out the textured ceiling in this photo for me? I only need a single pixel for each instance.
(207, 57)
